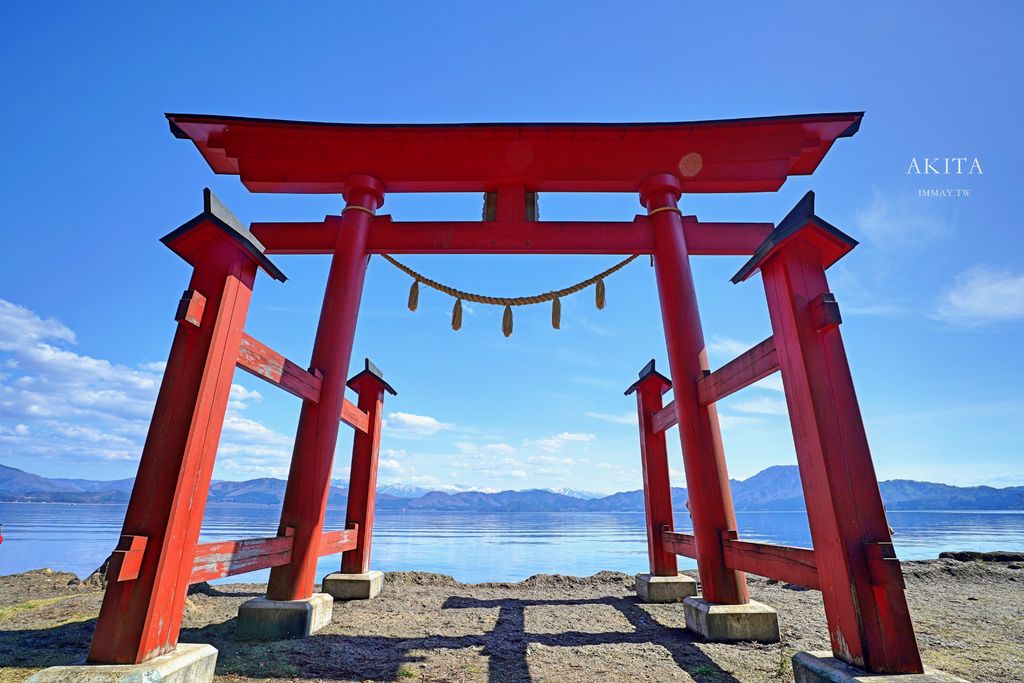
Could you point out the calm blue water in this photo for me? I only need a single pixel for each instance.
(474, 547)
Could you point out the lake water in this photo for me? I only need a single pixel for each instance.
(474, 547)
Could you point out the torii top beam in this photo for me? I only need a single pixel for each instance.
(731, 155)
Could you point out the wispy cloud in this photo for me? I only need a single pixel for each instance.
(471, 448)
(410, 426)
(900, 222)
(760, 405)
(556, 443)
(726, 347)
(62, 405)
(627, 418)
(981, 295)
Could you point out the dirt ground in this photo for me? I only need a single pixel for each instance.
(429, 627)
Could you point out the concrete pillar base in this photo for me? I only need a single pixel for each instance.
(665, 588)
(822, 667)
(263, 619)
(731, 623)
(353, 586)
(187, 663)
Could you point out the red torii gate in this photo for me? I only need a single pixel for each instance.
(852, 562)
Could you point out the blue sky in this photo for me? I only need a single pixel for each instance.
(933, 298)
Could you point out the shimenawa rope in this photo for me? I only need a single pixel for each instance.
(506, 322)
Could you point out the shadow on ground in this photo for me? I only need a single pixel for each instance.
(374, 658)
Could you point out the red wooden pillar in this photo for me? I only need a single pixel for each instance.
(654, 460)
(362, 486)
(707, 481)
(861, 581)
(149, 572)
(305, 498)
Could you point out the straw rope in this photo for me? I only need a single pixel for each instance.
(507, 301)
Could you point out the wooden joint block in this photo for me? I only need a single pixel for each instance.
(883, 566)
(191, 307)
(825, 310)
(126, 560)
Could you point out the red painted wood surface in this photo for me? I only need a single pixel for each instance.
(190, 308)
(869, 625)
(305, 498)
(227, 558)
(362, 483)
(751, 366)
(338, 541)
(262, 361)
(140, 619)
(126, 560)
(780, 562)
(512, 237)
(666, 418)
(741, 155)
(354, 416)
(783, 563)
(706, 477)
(654, 463)
(679, 543)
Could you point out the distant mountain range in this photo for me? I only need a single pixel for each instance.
(776, 488)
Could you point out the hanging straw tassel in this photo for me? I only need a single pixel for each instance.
(457, 315)
(556, 313)
(506, 322)
(599, 294)
(414, 295)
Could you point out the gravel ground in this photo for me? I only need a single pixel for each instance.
(429, 627)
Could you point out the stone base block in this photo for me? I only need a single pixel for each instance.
(822, 667)
(664, 588)
(353, 586)
(186, 664)
(731, 623)
(263, 619)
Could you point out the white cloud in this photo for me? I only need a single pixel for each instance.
(409, 426)
(20, 327)
(761, 405)
(553, 444)
(738, 422)
(771, 382)
(628, 418)
(726, 347)
(982, 295)
(240, 395)
(893, 222)
(65, 406)
(470, 448)
(392, 466)
(550, 460)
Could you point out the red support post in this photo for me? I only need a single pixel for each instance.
(654, 460)
(142, 607)
(305, 497)
(362, 487)
(707, 481)
(869, 623)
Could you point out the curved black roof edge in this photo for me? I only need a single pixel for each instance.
(849, 132)
(216, 213)
(646, 372)
(370, 369)
(797, 218)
